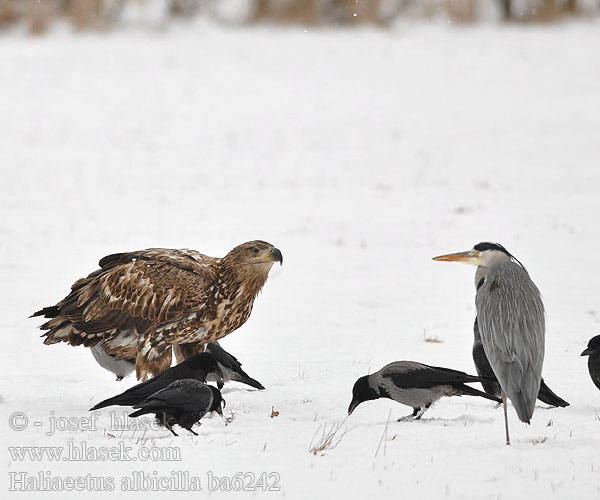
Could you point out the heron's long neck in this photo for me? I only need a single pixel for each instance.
(488, 259)
(479, 274)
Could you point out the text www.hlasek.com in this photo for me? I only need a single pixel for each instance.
(81, 452)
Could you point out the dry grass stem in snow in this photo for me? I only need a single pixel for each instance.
(330, 437)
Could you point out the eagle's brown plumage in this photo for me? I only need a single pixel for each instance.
(141, 304)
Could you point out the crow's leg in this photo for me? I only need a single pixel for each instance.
(412, 416)
(170, 427)
(418, 414)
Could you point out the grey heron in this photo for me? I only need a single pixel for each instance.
(593, 351)
(511, 320)
(414, 384)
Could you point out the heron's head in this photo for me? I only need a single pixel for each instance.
(593, 346)
(361, 392)
(483, 254)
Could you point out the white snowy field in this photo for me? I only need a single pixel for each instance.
(361, 155)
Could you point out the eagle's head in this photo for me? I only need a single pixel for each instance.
(255, 253)
(251, 262)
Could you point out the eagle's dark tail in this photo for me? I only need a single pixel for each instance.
(47, 312)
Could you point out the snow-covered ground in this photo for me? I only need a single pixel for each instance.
(361, 155)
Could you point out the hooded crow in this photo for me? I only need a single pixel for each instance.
(593, 351)
(414, 384)
(197, 367)
(231, 368)
(183, 402)
(491, 385)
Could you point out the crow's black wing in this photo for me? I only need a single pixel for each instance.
(408, 374)
(546, 395)
(231, 367)
(141, 391)
(185, 395)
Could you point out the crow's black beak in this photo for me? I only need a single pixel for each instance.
(353, 406)
(219, 376)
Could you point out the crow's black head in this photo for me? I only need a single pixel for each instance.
(203, 364)
(593, 346)
(218, 402)
(362, 392)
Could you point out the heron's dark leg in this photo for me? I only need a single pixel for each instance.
(193, 432)
(505, 418)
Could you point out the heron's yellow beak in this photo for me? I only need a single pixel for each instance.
(470, 257)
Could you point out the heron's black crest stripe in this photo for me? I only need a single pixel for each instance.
(482, 247)
(481, 282)
(486, 245)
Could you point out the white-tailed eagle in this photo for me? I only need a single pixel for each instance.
(142, 304)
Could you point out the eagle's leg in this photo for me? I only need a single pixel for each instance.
(151, 359)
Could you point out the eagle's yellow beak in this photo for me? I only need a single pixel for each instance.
(271, 255)
(470, 257)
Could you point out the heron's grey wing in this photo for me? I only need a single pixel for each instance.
(511, 322)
